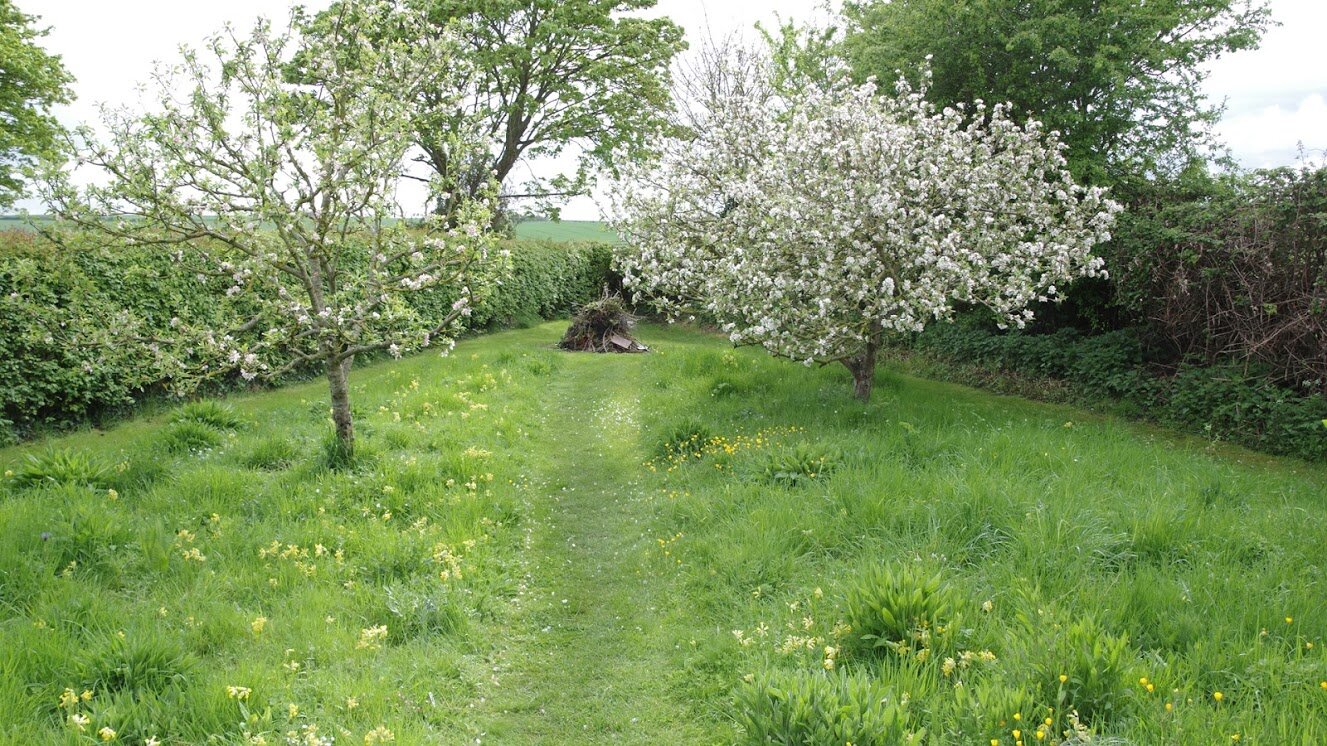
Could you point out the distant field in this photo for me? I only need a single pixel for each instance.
(543, 230)
(566, 230)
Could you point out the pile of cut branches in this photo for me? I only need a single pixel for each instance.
(604, 325)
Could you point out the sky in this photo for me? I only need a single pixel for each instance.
(1275, 96)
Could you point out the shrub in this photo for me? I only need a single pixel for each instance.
(63, 362)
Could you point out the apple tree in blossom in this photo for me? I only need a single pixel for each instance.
(816, 219)
(288, 189)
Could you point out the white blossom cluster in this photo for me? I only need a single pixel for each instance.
(815, 220)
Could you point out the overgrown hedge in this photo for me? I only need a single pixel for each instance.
(1231, 402)
(62, 363)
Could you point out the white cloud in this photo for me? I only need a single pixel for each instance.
(1272, 135)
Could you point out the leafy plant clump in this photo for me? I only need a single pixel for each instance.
(604, 325)
(210, 413)
(897, 606)
(801, 465)
(57, 466)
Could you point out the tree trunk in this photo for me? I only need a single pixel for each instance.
(338, 378)
(863, 371)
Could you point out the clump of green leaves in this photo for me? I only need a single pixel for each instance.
(682, 440)
(211, 413)
(796, 707)
(59, 466)
(188, 436)
(891, 605)
(801, 464)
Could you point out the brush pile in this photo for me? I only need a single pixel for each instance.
(604, 325)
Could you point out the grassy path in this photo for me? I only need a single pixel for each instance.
(586, 659)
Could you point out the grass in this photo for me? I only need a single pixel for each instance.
(565, 230)
(698, 545)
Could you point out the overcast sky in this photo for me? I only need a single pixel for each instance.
(1276, 96)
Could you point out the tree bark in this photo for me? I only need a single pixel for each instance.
(338, 379)
(862, 368)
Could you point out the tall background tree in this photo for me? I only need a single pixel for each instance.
(288, 189)
(31, 82)
(546, 75)
(1119, 79)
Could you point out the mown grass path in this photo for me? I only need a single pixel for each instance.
(585, 659)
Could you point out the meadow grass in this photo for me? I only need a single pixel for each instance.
(697, 545)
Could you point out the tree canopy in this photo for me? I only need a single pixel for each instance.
(31, 82)
(545, 75)
(1118, 79)
(815, 219)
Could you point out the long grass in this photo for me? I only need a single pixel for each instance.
(697, 545)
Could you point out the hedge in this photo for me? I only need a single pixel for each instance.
(61, 363)
(1229, 401)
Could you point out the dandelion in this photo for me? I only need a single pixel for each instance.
(1063, 678)
(1218, 696)
(1290, 620)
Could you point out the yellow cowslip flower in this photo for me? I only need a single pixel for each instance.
(68, 699)
(258, 625)
(106, 733)
(80, 721)
(292, 710)
(1169, 706)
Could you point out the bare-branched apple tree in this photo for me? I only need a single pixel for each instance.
(816, 218)
(290, 190)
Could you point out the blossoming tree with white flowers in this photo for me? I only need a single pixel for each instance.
(288, 191)
(816, 219)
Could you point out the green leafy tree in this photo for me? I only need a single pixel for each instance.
(545, 75)
(1119, 79)
(31, 81)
